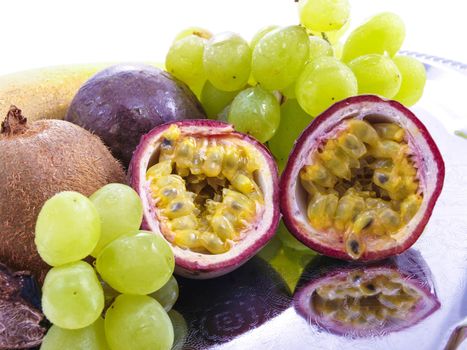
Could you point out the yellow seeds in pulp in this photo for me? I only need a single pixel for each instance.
(213, 164)
(205, 191)
(160, 169)
(362, 184)
(319, 174)
(390, 131)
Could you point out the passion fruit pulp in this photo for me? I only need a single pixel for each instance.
(362, 180)
(210, 191)
(359, 300)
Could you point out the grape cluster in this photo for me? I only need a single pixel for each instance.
(133, 281)
(305, 65)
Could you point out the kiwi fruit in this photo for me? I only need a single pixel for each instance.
(38, 160)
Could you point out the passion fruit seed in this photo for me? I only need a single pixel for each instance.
(362, 183)
(204, 190)
(362, 299)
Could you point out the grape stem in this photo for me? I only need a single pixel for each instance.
(14, 123)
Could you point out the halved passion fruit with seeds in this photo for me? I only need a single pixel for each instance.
(362, 180)
(358, 300)
(210, 191)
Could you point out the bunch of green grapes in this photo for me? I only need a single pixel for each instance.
(132, 275)
(252, 85)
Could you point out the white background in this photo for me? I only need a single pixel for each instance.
(37, 33)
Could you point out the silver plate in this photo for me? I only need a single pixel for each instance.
(252, 308)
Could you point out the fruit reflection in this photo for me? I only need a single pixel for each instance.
(358, 300)
(220, 309)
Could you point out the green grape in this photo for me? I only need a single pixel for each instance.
(120, 210)
(138, 322)
(289, 91)
(333, 36)
(72, 296)
(338, 48)
(214, 100)
(288, 239)
(227, 61)
(167, 295)
(279, 57)
(319, 47)
(323, 82)
(91, 337)
(293, 120)
(185, 61)
(254, 41)
(198, 31)
(67, 229)
(260, 34)
(180, 329)
(136, 264)
(382, 34)
(376, 74)
(255, 111)
(413, 80)
(324, 15)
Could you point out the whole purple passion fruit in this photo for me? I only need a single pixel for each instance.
(359, 300)
(123, 102)
(211, 192)
(362, 180)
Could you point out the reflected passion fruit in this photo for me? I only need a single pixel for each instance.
(367, 300)
(210, 191)
(362, 180)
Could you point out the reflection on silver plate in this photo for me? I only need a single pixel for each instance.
(252, 308)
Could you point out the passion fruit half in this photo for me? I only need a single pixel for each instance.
(362, 180)
(211, 192)
(359, 300)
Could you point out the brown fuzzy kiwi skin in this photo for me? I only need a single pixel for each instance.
(47, 157)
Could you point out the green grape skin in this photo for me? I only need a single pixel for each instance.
(138, 322)
(293, 121)
(279, 57)
(136, 264)
(324, 15)
(376, 74)
(382, 34)
(338, 48)
(260, 34)
(72, 296)
(288, 239)
(180, 329)
(184, 60)
(323, 82)
(198, 31)
(120, 210)
(289, 91)
(167, 295)
(67, 229)
(319, 47)
(214, 100)
(91, 337)
(413, 80)
(255, 111)
(333, 36)
(227, 61)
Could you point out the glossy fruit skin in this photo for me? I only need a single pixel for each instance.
(123, 102)
(410, 265)
(195, 265)
(330, 118)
